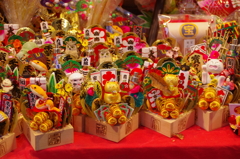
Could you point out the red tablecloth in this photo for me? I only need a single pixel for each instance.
(141, 144)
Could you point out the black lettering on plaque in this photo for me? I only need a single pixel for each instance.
(129, 126)
(156, 124)
(54, 138)
(3, 149)
(182, 124)
(101, 129)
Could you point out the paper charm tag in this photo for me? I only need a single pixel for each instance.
(152, 52)
(222, 93)
(41, 81)
(104, 113)
(95, 76)
(58, 42)
(10, 29)
(104, 107)
(4, 54)
(57, 51)
(108, 75)
(57, 57)
(86, 61)
(145, 52)
(8, 107)
(87, 33)
(146, 65)
(123, 105)
(152, 96)
(98, 115)
(200, 47)
(124, 76)
(234, 109)
(39, 42)
(32, 98)
(61, 104)
(130, 111)
(44, 26)
(5, 96)
(187, 44)
(183, 79)
(120, 51)
(149, 52)
(230, 62)
(117, 40)
(125, 111)
(138, 30)
(84, 72)
(129, 43)
(98, 35)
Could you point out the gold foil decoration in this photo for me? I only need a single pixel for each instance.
(23, 29)
(45, 15)
(61, 24)
(180, 136)
(72, 18)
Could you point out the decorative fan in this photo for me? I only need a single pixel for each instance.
(169, 68)
(20, 11)
(133, 61)
(71, 66)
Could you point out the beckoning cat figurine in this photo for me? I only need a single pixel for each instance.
(214, 67)
(112, 95)
(7, 85)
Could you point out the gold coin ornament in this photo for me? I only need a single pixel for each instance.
(61, 24)
(26, 33)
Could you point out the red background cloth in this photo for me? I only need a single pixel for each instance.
(141, 144)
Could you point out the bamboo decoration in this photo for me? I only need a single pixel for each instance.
(20, 11)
